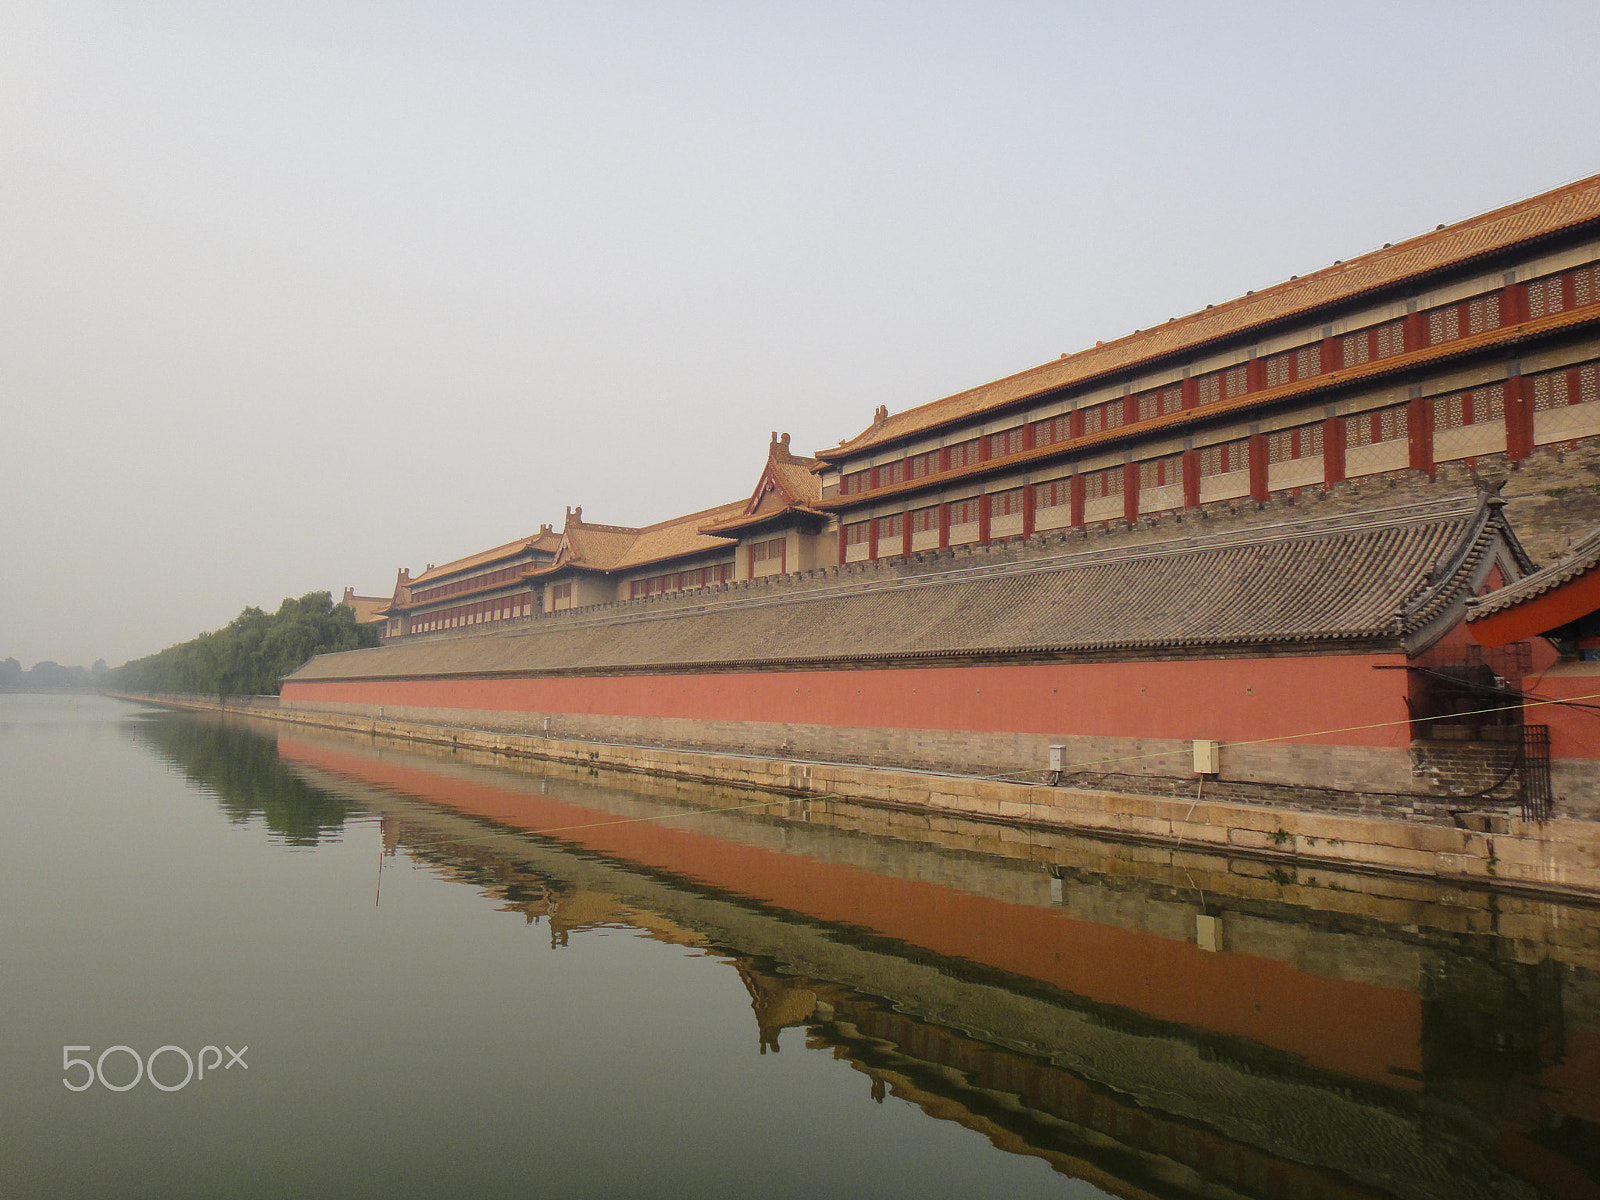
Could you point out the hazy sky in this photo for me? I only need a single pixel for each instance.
(295, 294)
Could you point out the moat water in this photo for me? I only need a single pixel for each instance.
(240, 959)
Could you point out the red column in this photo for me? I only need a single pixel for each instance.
(1519, 418)
(1332, 451)
(1258, 466)
(1191, 478)
(872, 539)
(1028, 439)
(905, 534)
(983, 518)
(1130, 492)
(841, 541)
(1419, 433)
(1332, 355)
(1130, 409)
(1191, 393)
(1255, 375)
(1075, 491)
(1075, 423)
(1513, 304)
(1027, 510)
(944, 526)
(1415, 331)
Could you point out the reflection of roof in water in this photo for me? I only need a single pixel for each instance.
(1250, 1096)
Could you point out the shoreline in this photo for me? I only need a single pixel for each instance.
(1558, 857)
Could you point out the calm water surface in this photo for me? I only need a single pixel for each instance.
(459, 977)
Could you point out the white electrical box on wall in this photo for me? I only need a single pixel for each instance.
(1207, 758)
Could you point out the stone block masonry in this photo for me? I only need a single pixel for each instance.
(1557, 857)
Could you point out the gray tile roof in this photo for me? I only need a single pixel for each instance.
(1580, 560)
(1378, 576)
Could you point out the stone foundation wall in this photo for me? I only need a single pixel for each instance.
(1560, 856)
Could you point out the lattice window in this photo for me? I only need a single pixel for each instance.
(1159, 472)
(1308, 361)
(963, 512)
(857, 534)
(1226, 457)
(1356, 348)
(1052, 430)
(924, 519)
(1547, 296)
(1208, 388)
(891, 473)
(1053, 494)
(764, 551)
(1002, 444)
(1380, 425)
(1389, 340)
(1483, 314)
(1469, 408)
(1097, 485)
(1235, 382)
(892, 526)
(1552, 391)
(855, 483)
(1278, 370)
(923, 464)
(964, 454)
(1558, 389)
(1161, 402)
(1285, 445)
(1444, 325)
(1005, 504)
(1586, 285)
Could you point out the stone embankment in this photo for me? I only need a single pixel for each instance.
(1560, 856)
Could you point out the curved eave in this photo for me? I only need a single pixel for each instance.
(1540, 614)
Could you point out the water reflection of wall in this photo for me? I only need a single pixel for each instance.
(1340, 1043)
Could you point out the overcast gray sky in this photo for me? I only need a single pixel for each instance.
(294, 294)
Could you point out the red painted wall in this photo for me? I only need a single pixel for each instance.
(1224, 699)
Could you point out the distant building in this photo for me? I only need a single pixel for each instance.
(1293, 479)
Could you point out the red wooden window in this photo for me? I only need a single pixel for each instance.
(562, 591)
(1235, 382)
(1053, 494)
(857, 534)
(892, 526)
(964, 454)
(924, 519)
(766, 551)
(1208, 388)
(1002, 444)
(1097, 485)
(1463, 320)
(1226, 457)
(1098, 417)
(1379, 425)
(1159, 472)
(923, 464)
(1557, 293)
(891, 473)
(1558, 389)
(855, 483)
(1005, 504)
(1161, 402)
(1304, 441)
(963, 512)
(1470, 408)
(1052, 430)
